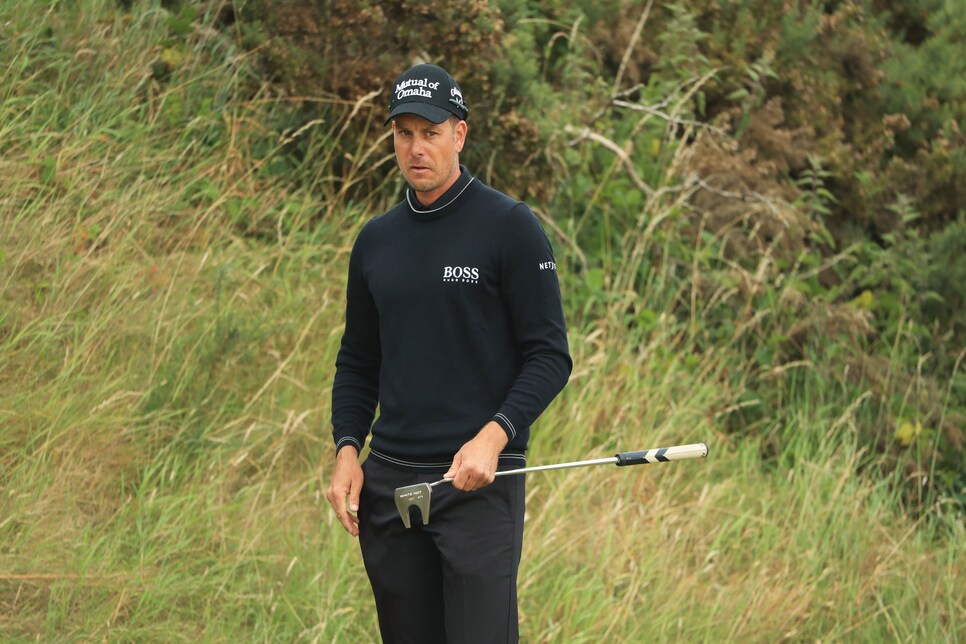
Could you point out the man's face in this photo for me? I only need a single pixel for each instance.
(428, 153)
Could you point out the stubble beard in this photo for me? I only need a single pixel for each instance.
(429, 184)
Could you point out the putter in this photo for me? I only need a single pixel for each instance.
(419, 495)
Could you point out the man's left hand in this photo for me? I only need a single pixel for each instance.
(474, 466)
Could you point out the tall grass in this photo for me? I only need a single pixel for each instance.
(170, 309)
(731, 549)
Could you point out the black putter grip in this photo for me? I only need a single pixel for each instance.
(632, 458)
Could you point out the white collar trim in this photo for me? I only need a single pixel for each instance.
(455, 197)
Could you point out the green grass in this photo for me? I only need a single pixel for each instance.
(170, 309)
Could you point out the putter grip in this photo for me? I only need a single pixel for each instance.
(662, 455)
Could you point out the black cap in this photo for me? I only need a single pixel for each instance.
(427, 91)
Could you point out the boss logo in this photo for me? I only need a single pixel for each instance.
(469, 274)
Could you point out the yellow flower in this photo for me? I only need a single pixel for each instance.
(864, 300)
(172, 57)
(906, 432)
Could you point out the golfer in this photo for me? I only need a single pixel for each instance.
(454, 328)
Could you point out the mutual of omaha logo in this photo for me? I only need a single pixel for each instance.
(464, 274)
(416, 87)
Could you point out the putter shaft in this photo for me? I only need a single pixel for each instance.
(418, 496)
(540, 468)
(664, 454)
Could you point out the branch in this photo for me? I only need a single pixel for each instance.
(631, 45)
(667, 117)
(586, 133)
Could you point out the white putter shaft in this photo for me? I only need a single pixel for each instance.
(660, 455)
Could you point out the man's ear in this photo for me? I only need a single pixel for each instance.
(459, 130)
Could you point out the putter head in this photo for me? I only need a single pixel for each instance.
(413, 496)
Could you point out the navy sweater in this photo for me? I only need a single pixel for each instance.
(453, 319)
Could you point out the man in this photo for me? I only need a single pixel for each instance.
(454, 326)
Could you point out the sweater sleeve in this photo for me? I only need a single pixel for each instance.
(355, 389)
(531, 292)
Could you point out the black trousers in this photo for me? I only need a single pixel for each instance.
(453, 580)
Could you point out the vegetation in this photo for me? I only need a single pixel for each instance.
(755, 207)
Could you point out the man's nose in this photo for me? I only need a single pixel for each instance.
(417, 149)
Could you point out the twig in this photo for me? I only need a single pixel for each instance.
(743, 196)
(667, 117)
(630, 46)
(586, 133)
(59, 577)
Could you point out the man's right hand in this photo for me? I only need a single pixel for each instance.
(345, 487)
